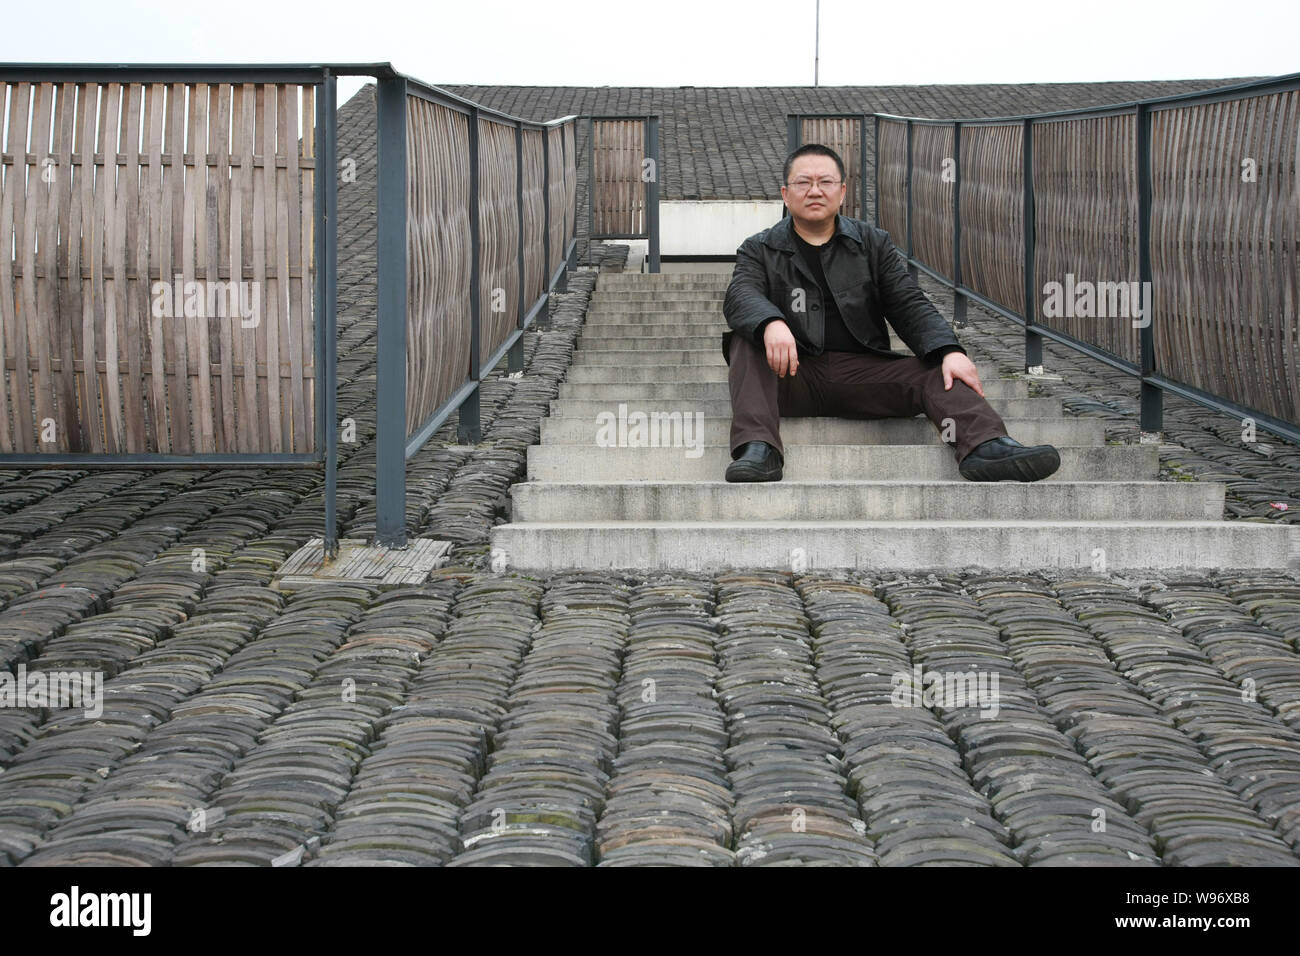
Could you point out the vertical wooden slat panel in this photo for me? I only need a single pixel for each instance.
(893, 180)
(158, 264)
(14, 222)
(1086, 224)
(499, 231)
(1224, 257)
(306, 265)
(111, 264)
(67, 286)
(534, 267)
(557, 196)
(217, 334)
(992, 212)
(171, 223)
(246, 264)
(932, 196)
(35, 297)
(570, 181)
(438, 250)
(90, 276)
(6, 269)
(290, 224)
(137, 299)
(196, 254)
(264, 245)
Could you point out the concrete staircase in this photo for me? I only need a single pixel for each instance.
(624, 478)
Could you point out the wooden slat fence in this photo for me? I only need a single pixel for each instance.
(498, 216)
(1224, 233)
(1085, 224)
(570, 183)
(892, 170)
(618, 148)
(439, 247)
(156, 267)
(933, 174)
(1225, 248)
(992, 212)
(438, 256)
(557, 193)
(535, 274)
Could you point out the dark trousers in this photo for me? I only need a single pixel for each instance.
(850, 385)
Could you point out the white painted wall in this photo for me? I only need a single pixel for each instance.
(713, 227)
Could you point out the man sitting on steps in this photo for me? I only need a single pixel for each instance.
(807, 306)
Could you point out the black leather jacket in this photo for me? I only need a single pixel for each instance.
(867, 275)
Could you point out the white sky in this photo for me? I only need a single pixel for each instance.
(683, 42)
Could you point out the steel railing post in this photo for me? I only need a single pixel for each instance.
(1151, 397)
(390, 372)
(958, 297)
(1033, 341)
(468, 425)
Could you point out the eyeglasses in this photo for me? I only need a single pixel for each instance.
(803, 185)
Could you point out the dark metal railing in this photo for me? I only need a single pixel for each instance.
(394, 445)
(1185, 309)
(534, 256)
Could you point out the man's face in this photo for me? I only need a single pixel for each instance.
(818, 204)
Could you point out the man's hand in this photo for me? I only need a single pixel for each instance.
(956, 366)
(782, 355)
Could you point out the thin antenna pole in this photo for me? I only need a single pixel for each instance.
(817, 42)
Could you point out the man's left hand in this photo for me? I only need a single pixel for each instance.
(957, 366)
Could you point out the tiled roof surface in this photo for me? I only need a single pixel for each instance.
(730, 142)
(489, 717)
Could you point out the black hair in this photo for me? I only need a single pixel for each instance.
(812, 149)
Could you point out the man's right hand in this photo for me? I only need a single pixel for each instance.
(782, 354)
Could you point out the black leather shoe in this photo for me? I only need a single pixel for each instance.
(757, 461)
(1005, 459)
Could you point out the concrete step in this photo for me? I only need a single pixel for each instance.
(716, 430)
(650, 357)
(610, 394)
(703, 330)
(700, 461)
(638, 329)
(631, 280)
(619, 336)
(711, 320)
(674, 285)
(1037, 408)
(866, 501)
(658, 335)
(670, 375)
(648, 295)
(632, 337)
(1078, 545)
(606, 307)
(710, 355)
